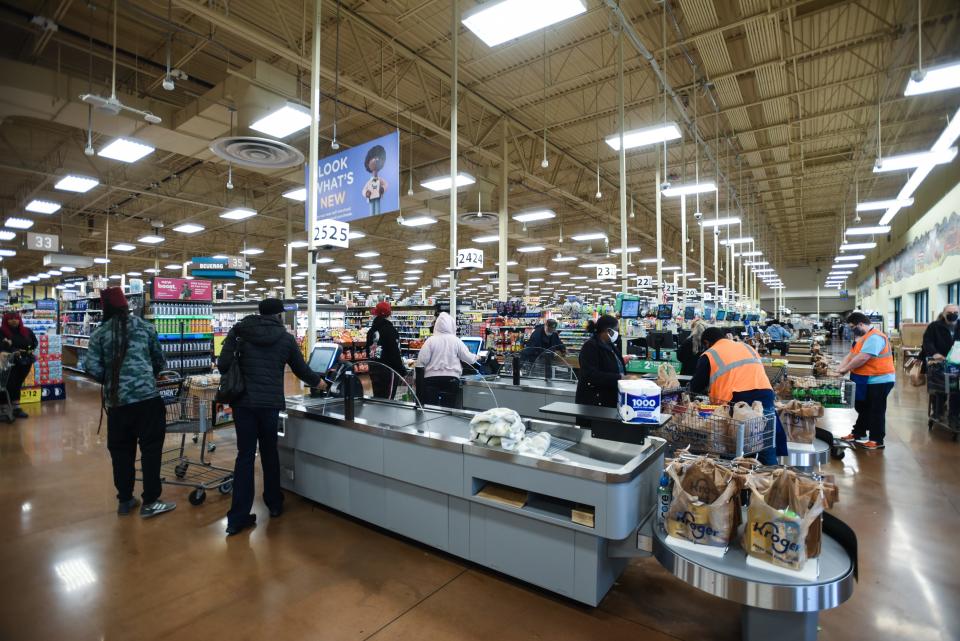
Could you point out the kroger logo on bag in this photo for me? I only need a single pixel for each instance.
(639, 401)
(783, 536)
(697, 530)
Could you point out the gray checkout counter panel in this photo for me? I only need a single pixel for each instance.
(553, 521)
(526, 399)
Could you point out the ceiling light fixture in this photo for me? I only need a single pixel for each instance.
(589, 236)
(914, 160)
(284, 121)
(251, 251)
(42, 206)
(418, 221)
(931, 79)
(851, 246)
(188, 228)
(442, 183)
(630, 250)
(422, 247)
(150, 239)
(126, 150)
(491, 238)
(124, 247)
(18, 223)
(78, 184)
(563, 259)
(7, 235)
(297, 244)
(737, 241)
(298, 194)
(498, 22)
(531, 248)
(847, 257)
(720, 222)
(688, 190)
(645, 136)
(367, 254)
(532, 216)
(877, 205)
(240, 213)
(867, 231)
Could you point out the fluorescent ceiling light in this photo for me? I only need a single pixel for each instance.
(422, 247)
(151, 270)
(188, 228)
(597, 235)
(687, 190)
(877, 205)
(492, 238)
(563, 259)
(7, 235)
(297, 244)
(103, 261)
(291, 265)
(630, 250)
(150, 239)
(649, 261)
(251, 251)
(849, 246)
(416, 261)
(867, 231)
(367, 254)
(559, 273)
(78, 184)
(645, 136)
(355, 235)
(531, 248)
(914, 160)
(18, 223)
(413, 271)
(749, 254)
(531, 216)
(756, 262)
(378, 274)
(124, 247)
(68, 269)
(299, 194)
(720, 222)
(536, 269)
(512, 263)
(126, 150)
(499, 22)
(240, 213)
(840, 273)
(324, 260)
(933, 79)
(418, 221)
(134, 274)
(839, 259)
(442, 183)
(42, 206)
(737, 241)
(284, 121)
(336, 270)
(669, 269)
(8, 252)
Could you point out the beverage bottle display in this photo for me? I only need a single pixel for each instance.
(664, 495)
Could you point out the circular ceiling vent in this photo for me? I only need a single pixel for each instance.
(487, 220)
(256, 153)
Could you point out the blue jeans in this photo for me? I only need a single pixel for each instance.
(766, 396)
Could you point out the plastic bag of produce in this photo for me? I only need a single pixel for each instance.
(500, 427)
(744, 412)
(536, 445)
(705, 506)
(667, 376)
(784, 520)
(800, 420)
(953, 356)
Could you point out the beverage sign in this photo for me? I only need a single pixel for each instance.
(331, 233)
(182, 289)
(469, 258)
(607, 271)
(359, 182)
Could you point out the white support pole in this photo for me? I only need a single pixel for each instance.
(656, 188)
(502, 223)
(313, 158)
(454, 91)
(703, 271)
(288, 271)
(683, 246)
(623, 174)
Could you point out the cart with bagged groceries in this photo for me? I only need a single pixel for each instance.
(188, 412)
(6, 403)
(943, 388)
(702, 431)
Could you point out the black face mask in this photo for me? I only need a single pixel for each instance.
(951, 318)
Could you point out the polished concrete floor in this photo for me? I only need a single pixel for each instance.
(70, 569)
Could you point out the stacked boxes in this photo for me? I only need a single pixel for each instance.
(45, 380)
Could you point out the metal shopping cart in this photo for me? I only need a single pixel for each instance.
(829, 392)
(6, 404)
(187, 413)
(943, 388)
(705, 433)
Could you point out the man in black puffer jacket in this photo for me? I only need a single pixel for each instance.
(264, 347)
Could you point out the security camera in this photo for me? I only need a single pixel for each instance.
(544, 163)
(168, 83)
(88, 150)
(153, 119)
(698, 215)
(716, 231)
(334, 144)
(665, 185)
(229, 184)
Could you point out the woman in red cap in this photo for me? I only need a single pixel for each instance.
(383, 346)
(18, 339)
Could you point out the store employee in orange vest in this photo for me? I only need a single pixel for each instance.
(729, 372)
(870, 363)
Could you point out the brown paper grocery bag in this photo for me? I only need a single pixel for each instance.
(705, 508)
(786, 540)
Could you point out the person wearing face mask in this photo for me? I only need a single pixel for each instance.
(870, 364)
(544, 338)
(601, 365)
(938, 338)
(729, 372)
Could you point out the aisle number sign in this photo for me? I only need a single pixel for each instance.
(606, 271)
(691, 292)
(470, 258)
(644, 281)
(670, 288)
(43, 242)
(330, 232)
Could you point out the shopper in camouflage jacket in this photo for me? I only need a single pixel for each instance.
(143, 361)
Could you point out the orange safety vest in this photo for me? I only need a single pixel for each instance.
(880, 364)
(734, 367)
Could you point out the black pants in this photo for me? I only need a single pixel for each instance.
(127, 425)
(253, 425)
(384, 382)
(872, 412)
(441, 390)
(17, 375)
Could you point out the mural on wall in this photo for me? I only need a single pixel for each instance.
(924, 253)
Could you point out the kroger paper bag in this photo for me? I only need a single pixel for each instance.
(705, 508)
(784, 520)
(799, 420)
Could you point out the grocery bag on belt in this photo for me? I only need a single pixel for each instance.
(638, 401)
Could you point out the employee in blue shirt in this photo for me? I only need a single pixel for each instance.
(779, 336)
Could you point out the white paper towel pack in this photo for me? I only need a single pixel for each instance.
(638, 401)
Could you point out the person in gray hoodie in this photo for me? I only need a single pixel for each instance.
(440, 358)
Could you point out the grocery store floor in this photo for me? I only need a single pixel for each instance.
(71, 569)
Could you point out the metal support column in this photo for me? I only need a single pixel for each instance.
(454, 91)
(313, 158)
(502, 224)
(623, 174)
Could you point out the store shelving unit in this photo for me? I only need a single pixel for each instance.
(41, 316)
(79, 317)
(185, 326)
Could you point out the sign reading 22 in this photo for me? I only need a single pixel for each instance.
(331, 232)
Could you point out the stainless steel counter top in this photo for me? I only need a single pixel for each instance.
(552, 386)
(589, 458)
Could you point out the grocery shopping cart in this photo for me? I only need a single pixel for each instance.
(943, 388)
(6, 404)
(187, 413)
(705, 433)
(775, 373)
(829, 392)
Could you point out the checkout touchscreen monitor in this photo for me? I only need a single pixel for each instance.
(630, 309)
(473, 343)
(721, 314)
(689, 313)
(664, 312)
(707, 313)
(323, 357)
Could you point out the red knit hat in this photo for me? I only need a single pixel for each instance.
(113, 297)
(382, 309)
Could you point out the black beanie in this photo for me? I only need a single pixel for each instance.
(270, 306)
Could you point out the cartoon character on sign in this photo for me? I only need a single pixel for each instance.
(185, 290)
(374, 188)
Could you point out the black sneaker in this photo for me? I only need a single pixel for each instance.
(237, 528)
(124, 507)
(155, 508)
(19, 413)
(276, 513)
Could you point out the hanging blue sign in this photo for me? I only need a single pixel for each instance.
(359, 182)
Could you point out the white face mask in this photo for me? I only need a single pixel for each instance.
(614, 335)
